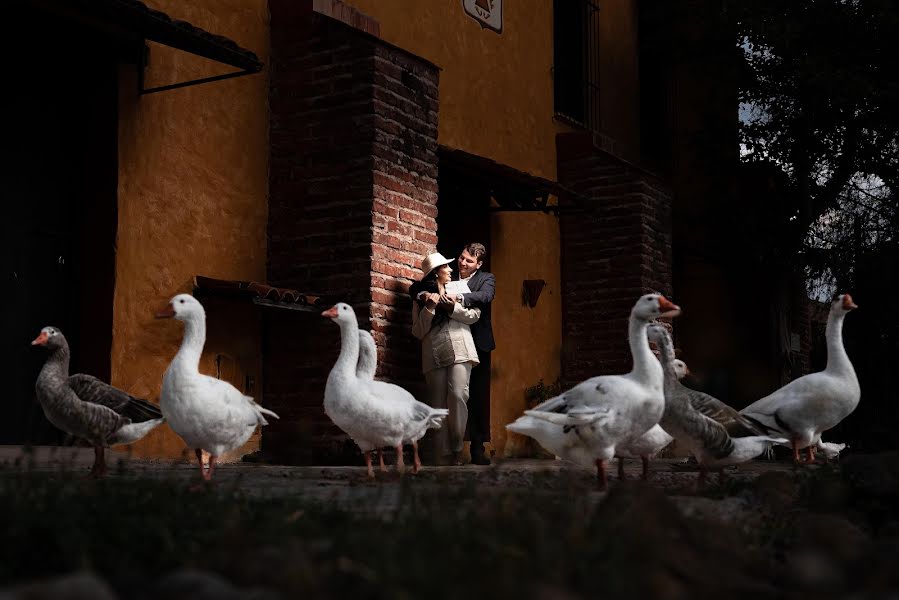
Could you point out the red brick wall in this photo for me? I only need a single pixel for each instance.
(322, 125)
(615, 247)
(405, 202)
(352, 209)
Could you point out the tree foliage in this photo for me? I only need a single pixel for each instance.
(819, 92)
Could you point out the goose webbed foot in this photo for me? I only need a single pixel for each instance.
(382, 468)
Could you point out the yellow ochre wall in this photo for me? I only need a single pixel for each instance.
(496, 101)
(192, 199)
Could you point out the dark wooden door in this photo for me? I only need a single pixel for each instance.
(60, 176)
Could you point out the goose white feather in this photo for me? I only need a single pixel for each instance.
(367, 366)
(830, 450)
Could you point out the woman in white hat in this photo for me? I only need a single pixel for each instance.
(448, 352)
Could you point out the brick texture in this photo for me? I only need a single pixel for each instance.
(352, 207)
(616, 246)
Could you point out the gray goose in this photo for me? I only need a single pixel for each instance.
(707, 426)
(85, 407)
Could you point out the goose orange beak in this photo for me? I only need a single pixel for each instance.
(848, 304)
(668, 308)
(166, 313)
(41, 339)
(330, 313)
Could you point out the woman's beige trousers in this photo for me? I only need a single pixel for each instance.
(448, 388)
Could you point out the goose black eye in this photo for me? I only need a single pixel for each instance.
(181, 301)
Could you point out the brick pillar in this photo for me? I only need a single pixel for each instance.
(614, 248)
(405, 203)
(352, 207)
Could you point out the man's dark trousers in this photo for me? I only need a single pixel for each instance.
(482, 285)
(479, 403)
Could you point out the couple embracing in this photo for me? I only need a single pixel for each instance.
(451, 317)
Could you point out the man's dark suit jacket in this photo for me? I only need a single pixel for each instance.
(483, 287)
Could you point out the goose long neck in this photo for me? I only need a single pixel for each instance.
(56, 367)
(836, 353)
(349, 349)
(645, 363)
(666, 351)
(193, 342)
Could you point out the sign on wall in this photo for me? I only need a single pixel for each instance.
(489, 13)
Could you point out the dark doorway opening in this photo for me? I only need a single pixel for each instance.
(463, 216)
(463, 213)
(60, 228)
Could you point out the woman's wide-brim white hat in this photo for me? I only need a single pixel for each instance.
(434, 260)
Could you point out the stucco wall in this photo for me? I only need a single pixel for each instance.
(193, 177)
(496, 96)
(496, 101)
(528, 339)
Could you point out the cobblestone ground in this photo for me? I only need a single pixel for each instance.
(348, 487)
(769, 529)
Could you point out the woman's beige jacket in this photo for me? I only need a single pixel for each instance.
(448, 343)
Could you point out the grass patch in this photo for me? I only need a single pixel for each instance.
(419, 537)
(445, 542)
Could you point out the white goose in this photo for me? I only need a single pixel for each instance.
(373, 413)
(593, 418)
(804, 408)
(208, 413)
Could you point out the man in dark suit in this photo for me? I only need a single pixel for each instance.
(482, 285)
